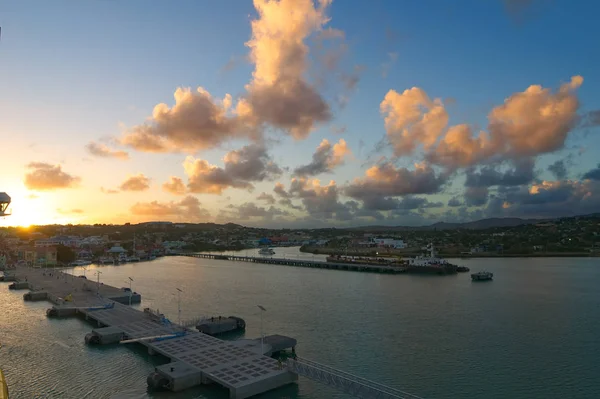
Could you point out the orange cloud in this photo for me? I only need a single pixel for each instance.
(46, 177)
(135, 183)
(174, 186)
(100, 150)
(325, 159)
(188, 209)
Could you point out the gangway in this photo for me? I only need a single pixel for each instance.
(356, 386)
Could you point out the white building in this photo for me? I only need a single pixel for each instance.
(390, 243)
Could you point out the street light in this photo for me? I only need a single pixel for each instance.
(262, 335)
(179, 304)
(98, 273)
(130, 292)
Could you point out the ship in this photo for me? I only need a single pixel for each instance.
(266, 251)
(482, 276)
(430, 264)
(365, 260)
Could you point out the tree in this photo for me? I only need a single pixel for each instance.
(65, 254)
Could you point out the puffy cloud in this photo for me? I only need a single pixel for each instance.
(326, 158)
(454, 202)
(387, 180)
(408, 202)
(412, 119)
(476, 196)
(279, 189)
(267, 198)
(188, 209)
(488, 176)
(593, 174)
(529, 123)
(174, 186)
(288, 203)
(101, 150)
(250, 164)
(249, 210)
(195, 122)
(138, 182)
(320, 201)
(279, 94)
(558, 169)
(47, 177)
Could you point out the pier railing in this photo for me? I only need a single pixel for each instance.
(354, 385)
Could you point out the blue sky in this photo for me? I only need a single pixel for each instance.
(81, 72)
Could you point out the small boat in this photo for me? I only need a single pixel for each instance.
(81, 262)
(482, 276)
(3, 386)
(266, 251)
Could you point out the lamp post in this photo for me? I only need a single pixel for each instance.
(130, 291)
(179, 304)
(262, 335)
(98, 273)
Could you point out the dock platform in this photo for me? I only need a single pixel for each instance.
(357, 267)
(195, 358)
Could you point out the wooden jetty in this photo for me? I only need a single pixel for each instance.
(358, 267)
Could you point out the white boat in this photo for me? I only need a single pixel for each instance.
(133, 259)
(482, 276)
(81, 262)
(266, 251)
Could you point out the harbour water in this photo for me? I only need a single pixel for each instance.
(531, 333)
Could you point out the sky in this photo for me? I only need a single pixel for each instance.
(298, 113)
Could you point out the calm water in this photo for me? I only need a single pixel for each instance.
(531, 333)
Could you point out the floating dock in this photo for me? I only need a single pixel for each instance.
(243, 367)
(357, 267)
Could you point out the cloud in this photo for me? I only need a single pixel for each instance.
(195, 122)
(288, 203)
(188, 209)
(108, 190)
(69, 211)
(412, 119)
(387, 180)
(593, 174)
(326, 158)
(454, 202)
(338, 129)
(319, 201)
(267, 198)
(279, 94)
(47, 177)
(476, 196)
(487, 176)
(591, 119)
(529, 123)
(408, 202)
(392, 57)
(174, 186)
(135, 183)
(558, 169)
(100, 150)
(279, 189)
(250, 210)
(250, 164)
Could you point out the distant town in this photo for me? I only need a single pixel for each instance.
(58, 245)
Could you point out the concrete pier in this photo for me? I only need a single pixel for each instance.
(195, 358)
(357, 267)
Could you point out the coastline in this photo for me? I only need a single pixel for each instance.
(407, 254)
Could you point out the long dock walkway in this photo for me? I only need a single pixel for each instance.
(298, 262)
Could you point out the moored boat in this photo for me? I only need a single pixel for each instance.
(266, 251)
(482, 276)
(430, 264)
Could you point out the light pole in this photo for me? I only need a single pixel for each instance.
(262, 335)
(179, 304)
(98, 273)
(84, 270)
(130, 292)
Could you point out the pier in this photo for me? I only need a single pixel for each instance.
(357, 267)
(244, 367)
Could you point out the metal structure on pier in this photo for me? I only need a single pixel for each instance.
(356, 386)
(4, 203)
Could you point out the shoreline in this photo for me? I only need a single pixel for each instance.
(334, 251)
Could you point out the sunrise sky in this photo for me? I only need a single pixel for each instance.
(298, 113)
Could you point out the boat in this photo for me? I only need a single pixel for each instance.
(430, 264)
(482, 276)
(3, 386)
(462, 269)
(266, 251)
(365, 260)
(133, 259)
(81, 262)
(220, 325)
